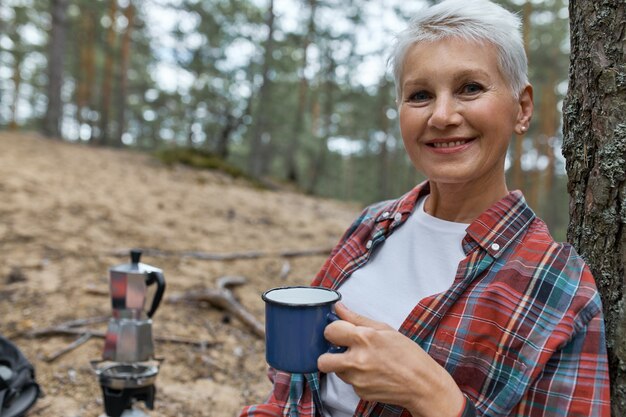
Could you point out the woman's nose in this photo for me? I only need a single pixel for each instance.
(445, 113)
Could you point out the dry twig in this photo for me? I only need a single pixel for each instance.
(95, 289)
(84, 322)
(75, 327)
(55, 331)
(221, 297)
(76, 343)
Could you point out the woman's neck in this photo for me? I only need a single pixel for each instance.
(462, 203)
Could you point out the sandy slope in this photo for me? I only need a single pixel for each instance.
(66, 210)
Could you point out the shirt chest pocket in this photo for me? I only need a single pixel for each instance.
(493, 380)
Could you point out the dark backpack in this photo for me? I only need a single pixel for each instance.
(18, 389)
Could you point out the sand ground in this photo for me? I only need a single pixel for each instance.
(69, 212)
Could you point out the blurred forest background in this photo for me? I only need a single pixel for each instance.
(292, 92)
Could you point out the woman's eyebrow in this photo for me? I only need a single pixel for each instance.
(470, 73)
(415, 81)
(462, 74)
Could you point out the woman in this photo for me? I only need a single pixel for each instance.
(494, 317)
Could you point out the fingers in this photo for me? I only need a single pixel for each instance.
(359, 339)
(352, 328)
(353, 331)
(340, 333)
(346, 314)
(331, 362)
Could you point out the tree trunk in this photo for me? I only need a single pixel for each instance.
(517, 173)
(54, 111)
(17, 83)
(594, 146)
(3, 25)
(548, 129)
(329, 107)
(86, 68)
(542, 180)
(107, 78)
(257, 159)
(129, 13)
(383, 154)
(319, 154)
(222, 149)
(292, 148)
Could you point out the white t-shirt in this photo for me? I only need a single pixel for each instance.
(417, 260)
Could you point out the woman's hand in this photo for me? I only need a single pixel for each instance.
(385, 366)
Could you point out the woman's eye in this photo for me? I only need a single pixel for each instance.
(419, 96)
(472, 88)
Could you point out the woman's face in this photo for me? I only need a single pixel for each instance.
(458, 113)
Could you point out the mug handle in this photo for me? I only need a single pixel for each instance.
(331, 317)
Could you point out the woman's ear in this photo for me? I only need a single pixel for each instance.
(526, 108)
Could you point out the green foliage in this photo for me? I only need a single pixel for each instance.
(198, 158)
(202, 159)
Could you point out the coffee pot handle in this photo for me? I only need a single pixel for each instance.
(159, 279)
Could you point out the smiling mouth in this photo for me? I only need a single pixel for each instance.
(449, 144)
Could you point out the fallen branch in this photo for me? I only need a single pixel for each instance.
(68, 327)
(72, 328)
(83, 322)
(228, 281)
(208, 256)
(222, 298)
(94, 289)
(76, 343)
(62, 331)
(56, 331)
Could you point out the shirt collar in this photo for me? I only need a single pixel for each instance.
(497, 227)
(404, 205)
(493, 230)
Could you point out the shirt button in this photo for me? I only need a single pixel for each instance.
(385, 215)
(397, 217)
(368, 244)
(495, 246)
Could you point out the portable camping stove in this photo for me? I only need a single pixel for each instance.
(123, 384)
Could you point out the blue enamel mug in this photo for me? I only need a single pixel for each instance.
(295, 318)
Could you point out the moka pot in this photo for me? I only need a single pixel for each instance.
(129, 334)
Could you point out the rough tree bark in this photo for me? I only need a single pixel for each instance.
(594, 146)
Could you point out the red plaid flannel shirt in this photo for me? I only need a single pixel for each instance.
(520, 330)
